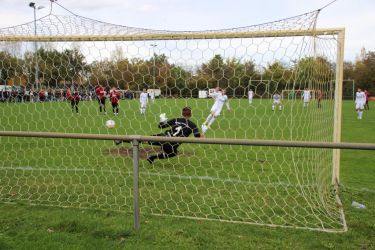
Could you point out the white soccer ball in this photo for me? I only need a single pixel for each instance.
(110, 124)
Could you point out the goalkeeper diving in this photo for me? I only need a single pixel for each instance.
(179, 127)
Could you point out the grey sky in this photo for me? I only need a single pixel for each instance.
(356, 16)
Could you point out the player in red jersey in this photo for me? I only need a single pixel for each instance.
(74, 101)
(114, 95)
(319, 97)
(42, 95)
(68, 95)
(100, 93)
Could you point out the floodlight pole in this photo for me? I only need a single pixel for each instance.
(32, 5)
(153, 67)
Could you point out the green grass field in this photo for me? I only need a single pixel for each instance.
(92, 180)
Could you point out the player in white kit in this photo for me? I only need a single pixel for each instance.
(360, 101)
(251, 96)
(276, 102)
(152, 96)
(220, 99)
(306, 97)
(143, 99)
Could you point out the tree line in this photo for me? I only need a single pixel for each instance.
(362, 71)
(57, 68)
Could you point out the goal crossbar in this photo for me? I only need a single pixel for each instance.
(173, 35)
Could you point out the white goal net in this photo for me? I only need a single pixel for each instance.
(56, 76)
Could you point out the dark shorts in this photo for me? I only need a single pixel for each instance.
(74, 102)
(114, 104)
(169, 148)
(101, 101)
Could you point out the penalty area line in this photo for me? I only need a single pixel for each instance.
(182, 177)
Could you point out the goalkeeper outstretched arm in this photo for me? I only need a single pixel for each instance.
(166, 124)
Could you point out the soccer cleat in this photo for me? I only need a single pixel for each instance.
(150, 160)
(118, 142)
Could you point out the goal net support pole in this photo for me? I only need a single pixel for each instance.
(338, 106)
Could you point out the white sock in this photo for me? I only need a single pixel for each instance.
(211, 121)
(208, 118)
(273, 107)
(280, 108)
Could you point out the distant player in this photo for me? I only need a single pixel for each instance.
(152, 96)
(220, 99)
(68, 95)
(179, 127)
(276, 102)
(42, 95)
(251, 96)
(367, 93)
(306, 97)
(31, 94)
(114, 96)
(360, 100)
(74, 101)
(319, 97)
(101, 95)
(143, 99)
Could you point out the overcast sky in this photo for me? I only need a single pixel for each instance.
(357, 16)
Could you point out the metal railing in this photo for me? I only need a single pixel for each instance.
(137, 139)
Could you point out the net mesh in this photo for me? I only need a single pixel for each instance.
(288, 187)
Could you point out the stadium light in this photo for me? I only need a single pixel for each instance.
(153, 68)
(32, 5)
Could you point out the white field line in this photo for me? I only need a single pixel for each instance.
(184, 177)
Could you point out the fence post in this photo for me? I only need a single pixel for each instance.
(135, 143)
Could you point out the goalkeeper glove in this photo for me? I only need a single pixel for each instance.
(163, 118)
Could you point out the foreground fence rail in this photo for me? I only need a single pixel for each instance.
(137, 139)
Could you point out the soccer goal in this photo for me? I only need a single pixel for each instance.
(60, 57)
